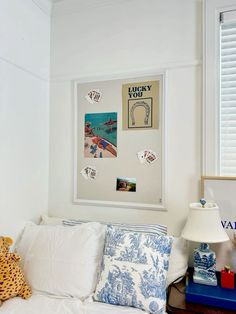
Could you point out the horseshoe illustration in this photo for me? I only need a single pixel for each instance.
(147, 111)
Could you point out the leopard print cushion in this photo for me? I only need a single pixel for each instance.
(12, 281)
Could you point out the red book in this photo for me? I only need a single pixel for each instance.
(227, 278)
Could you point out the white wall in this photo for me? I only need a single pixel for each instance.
(24, 112)
(95, 38)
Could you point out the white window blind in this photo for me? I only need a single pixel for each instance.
(228, 93)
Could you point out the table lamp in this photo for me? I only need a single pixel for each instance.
(204, 225)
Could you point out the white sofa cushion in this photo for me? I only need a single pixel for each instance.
(43, 304)
(178, 261)
(104, 308)
(134, 270)
(62, 261)
(47, 220)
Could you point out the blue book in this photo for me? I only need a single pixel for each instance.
(210, 295)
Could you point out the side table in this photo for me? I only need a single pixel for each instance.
(177, 304)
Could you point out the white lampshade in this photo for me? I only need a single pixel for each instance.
(204, 224)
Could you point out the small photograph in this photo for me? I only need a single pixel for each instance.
(126, 184)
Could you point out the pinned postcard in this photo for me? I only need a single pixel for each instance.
(100, 130)
(94, 96)
(126, 184)
(89, 172)
(147, 156)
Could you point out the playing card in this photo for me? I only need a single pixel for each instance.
(94, 96)
(146, 153)
(152, 156)
(84, 173)
(89, 172)
(93, 173)
(147, 156)
(141, 157)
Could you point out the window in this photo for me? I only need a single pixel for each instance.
(219, 88)
(227, 113)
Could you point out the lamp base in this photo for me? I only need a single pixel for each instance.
(204, 266)
(205, 278)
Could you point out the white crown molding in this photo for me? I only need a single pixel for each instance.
(44, 5)
(152, 69)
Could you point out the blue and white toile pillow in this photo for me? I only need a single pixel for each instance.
(134, 270)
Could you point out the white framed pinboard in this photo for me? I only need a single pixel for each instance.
(119, 141)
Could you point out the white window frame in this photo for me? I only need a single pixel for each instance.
(211, 83)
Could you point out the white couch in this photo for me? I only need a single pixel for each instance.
(63, 265)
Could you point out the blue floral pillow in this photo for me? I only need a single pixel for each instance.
(134, 270)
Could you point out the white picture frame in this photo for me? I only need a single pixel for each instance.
(121, 201)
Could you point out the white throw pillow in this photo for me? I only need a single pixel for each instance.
(134, 270)
(178, 261)
(46, 220)
(62, 261)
